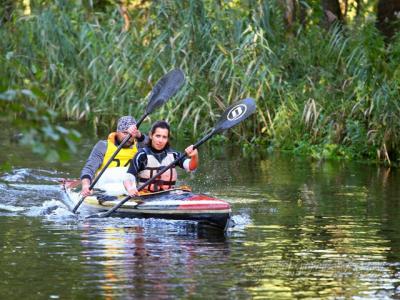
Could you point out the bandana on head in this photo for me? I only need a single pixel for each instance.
(125, 122)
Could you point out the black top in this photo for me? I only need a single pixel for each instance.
(139, 161)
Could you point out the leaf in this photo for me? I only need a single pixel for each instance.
(49, 132)
(52, 156)
(62, 129)
(28, 93)
(9, 55)
(8, 95)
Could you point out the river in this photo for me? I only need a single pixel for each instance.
(304, 230)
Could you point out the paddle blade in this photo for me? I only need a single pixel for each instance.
(165, 89)
(235, 114)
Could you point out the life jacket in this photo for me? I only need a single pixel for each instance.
(166, 180)
(122, 159)
(112, 181)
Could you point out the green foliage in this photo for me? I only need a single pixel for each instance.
(33, 123)
(319, 93)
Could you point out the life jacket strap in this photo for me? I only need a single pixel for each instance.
(158, 182)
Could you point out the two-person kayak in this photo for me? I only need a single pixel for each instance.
(176, 204)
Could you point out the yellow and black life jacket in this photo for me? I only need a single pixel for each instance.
(122, 159)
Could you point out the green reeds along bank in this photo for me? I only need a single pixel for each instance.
(321, 93)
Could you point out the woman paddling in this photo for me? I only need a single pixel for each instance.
(157, 154)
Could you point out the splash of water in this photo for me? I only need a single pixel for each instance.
(30, 175)
(240, 221)
(11, 208)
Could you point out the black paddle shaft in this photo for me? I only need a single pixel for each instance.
(232, 116)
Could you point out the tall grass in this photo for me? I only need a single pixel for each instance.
(319, 93)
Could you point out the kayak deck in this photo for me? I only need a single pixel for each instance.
(176, 204)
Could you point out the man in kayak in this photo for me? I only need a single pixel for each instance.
(157, 154)
(102, 152)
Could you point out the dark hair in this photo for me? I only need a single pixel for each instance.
(159, 124)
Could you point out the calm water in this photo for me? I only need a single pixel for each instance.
(304, 229)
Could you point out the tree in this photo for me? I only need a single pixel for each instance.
(34, 122)
(332, 12)
(388, 17)
(6, 11)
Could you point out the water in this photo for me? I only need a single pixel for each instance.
(312, 230)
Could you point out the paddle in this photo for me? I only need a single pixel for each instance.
(232, 116)
(164, 89)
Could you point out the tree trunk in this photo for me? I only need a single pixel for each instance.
(290, 14)
(302, 14)
(388, 12)
(332, 12)
(346, 7)
(6, 11)
(123, 10)
(359, 7)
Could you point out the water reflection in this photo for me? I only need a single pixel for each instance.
(320, 257)
(320, 230)
(139, 261)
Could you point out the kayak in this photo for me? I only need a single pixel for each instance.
(176, 204)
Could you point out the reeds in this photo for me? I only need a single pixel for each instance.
(317, 91)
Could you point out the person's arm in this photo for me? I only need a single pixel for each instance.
(130, 185)
(142, 141)
(85, 187)
(191, 163)
(137, 164)
(194, 157)
(92, 164)
(140, 138)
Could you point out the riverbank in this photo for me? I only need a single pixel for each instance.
(324, 94)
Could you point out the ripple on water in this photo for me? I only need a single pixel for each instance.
(10, 208)
(26, 175)
(23, 189)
